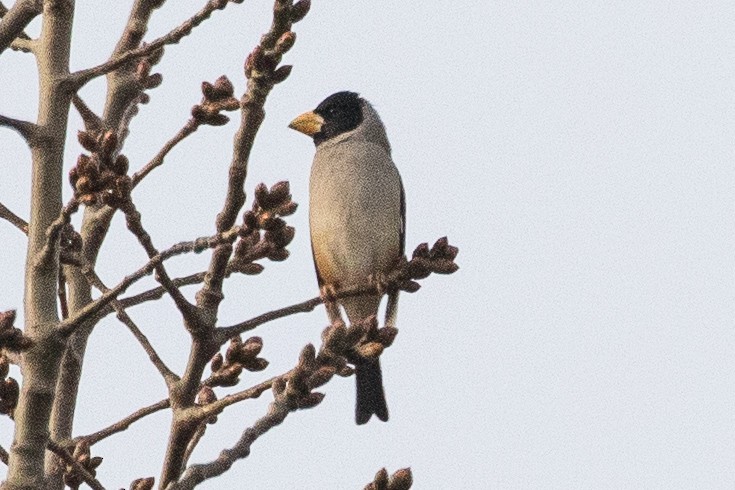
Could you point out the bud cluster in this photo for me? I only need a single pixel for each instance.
(143, 483)
(218, 97)
(340, 345)
(102, 176)
(145, 79)
(81, 455)
(400, 480)
(226, 369)
(9, 389)
(264, 233)
(439, 260)
(12, 338)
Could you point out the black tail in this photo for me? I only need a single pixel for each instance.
(370, 395)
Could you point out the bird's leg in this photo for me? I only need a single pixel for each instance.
(391, 311)
(329, 295)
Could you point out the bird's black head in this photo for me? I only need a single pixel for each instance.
(341, 113)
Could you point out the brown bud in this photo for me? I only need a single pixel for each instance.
(299, 10)
(206, 396)
(279, 255)
(409, 286)
(250, 269)
(371, 350)
(282, 237)
(84, 185)
(252, 347)
(307, 358)
(440, 245)
(288, 209)
(255, 365)
(401, 479)
(109, 142)
(121, 165)
(381, 478)
(223, 87)
(250, 220)
(143, 483)
(321, 376)
(153, 81)
(281, 73)
(421, 251)
(216, 120)
(444, 266)
(280, 191)
(311, 400)
(387, 335)
(285, 42)
(261, 195)
(345, 371)
(233, 348)
(95, 462)
(216, 363)
(87, 141)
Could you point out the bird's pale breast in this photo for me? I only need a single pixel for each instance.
(354, 211)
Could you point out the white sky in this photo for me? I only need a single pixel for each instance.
(580, 154)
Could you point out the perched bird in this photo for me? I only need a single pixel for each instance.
(357, 217)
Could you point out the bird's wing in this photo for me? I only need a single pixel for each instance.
(403, 217)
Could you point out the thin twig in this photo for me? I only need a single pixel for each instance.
(63, 301)
(78, 468)
(15, 19)
(260, 84)
(185, 131)
(4, 456)
(196, 474)
(169, 376)
(28, 130)
(135, 225)
(81, 77)
(158, 292)
(95, 307)
(53, 232)
(218, 406)
(226, 333)
(91, 120)
(125, 423)
(13, 218)
(198, 435)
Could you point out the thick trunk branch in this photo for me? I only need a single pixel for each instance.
(40, 363)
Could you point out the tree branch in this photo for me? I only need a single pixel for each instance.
(190, 126)
(125, 423)
(16, 19)
(169, 376)
(95, 307)
(79, 78)
(28, 130)
(41, 362)
(86, 476)
(13, 218)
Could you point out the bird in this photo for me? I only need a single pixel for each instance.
(357, 220)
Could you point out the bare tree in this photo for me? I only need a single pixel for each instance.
(59, 310)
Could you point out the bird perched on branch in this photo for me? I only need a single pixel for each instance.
(356, 218)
